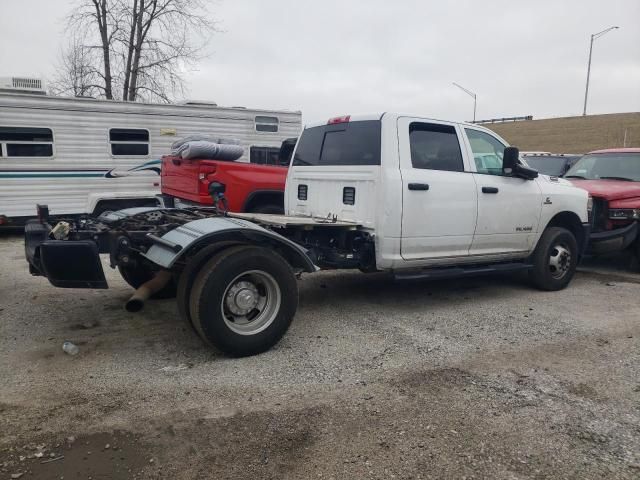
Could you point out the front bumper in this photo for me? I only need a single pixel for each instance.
(612, 240)
(65, 263)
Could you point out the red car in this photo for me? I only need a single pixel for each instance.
(250, 187)
(612, 178)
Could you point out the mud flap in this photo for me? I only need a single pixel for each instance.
(72, 264)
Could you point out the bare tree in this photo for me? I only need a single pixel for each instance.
(75, 72)
(144, 46)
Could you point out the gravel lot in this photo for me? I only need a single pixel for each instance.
(481, 378)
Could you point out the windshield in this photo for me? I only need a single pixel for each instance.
(549, 165)
(607, 166)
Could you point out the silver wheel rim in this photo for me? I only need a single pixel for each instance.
(251, 302)
(559, 261)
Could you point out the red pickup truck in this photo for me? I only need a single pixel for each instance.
(612, 178)
(250, 187)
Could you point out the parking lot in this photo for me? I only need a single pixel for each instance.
(479, 378)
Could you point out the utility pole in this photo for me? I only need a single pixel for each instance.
(594, 36)
(471, 94)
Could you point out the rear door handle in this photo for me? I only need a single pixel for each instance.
(489, 190)
(418, 186)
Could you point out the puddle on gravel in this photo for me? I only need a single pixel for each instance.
(116, 455)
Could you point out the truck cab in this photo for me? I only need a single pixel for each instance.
(431, 192)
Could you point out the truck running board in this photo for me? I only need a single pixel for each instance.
(453, 272)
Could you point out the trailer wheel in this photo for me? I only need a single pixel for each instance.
(243, 300)
(554, 260)
(136, 276)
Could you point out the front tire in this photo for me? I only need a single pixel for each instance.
(243, 300)
(554, 260)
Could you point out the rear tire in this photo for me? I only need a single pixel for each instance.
(189, 274)
(554, 260)
(136, 276)
(243, 300)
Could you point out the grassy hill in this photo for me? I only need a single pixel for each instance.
(572, 134)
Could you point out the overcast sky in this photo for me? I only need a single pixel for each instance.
(335, 57)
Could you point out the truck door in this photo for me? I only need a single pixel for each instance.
(508, 207)
(439, 198)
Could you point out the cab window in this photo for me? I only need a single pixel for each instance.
(435, 147)
(487, 152)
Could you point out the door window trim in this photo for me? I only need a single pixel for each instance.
(470, 150)
(402, 126)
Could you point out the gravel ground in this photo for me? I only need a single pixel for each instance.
(481, 378)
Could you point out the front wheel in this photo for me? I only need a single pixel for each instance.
(555, 259)
(243, 300)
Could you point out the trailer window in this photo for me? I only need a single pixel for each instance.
(264, 155)
(26, 142)
(266, 124)
(129, 141)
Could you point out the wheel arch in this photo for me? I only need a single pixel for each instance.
(292, 253)
(225, 232)
(571, 222)
(263, 197)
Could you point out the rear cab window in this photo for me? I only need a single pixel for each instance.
(348, 143)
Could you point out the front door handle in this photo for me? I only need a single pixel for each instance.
(418, 186)
(489, 190)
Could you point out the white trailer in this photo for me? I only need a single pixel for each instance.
(83, 155)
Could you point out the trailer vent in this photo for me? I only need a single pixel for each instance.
(27, 83)
(349, 195)
(22, 84)
(302, 192)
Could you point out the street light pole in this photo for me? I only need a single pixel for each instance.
(471, 94)
(594, 36)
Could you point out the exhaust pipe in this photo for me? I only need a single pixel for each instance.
(148, 288)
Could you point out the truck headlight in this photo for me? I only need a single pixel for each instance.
(624, 214)
(590, 206)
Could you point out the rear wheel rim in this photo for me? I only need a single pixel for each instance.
(559, 261)
(251, 302)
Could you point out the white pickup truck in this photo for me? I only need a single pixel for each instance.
(421, 198)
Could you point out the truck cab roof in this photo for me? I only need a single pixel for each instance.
(384, 115)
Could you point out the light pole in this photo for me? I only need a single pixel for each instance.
(473, 95)
(594, 36)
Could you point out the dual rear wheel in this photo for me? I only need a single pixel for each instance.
(240, 300)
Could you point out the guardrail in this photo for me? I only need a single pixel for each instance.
(505, 119)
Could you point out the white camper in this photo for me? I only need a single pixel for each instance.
(82, 155)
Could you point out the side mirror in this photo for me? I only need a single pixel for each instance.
(510, 159)
(511, 165)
